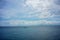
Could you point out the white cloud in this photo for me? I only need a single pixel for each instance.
(38, 4)
(33, 3)
(41, 8)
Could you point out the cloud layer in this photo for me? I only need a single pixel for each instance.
(27, 23)
(26, 12)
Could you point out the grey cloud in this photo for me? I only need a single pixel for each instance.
(57, 2)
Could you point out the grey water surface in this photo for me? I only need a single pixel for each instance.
(30, 33)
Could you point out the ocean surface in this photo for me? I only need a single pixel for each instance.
(30, 33)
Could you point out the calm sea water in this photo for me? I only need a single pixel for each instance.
(30, 33)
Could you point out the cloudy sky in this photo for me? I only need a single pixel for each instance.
(29, 12)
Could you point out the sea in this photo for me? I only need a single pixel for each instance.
(30, 32)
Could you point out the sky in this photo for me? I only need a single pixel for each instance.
(29, 12)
